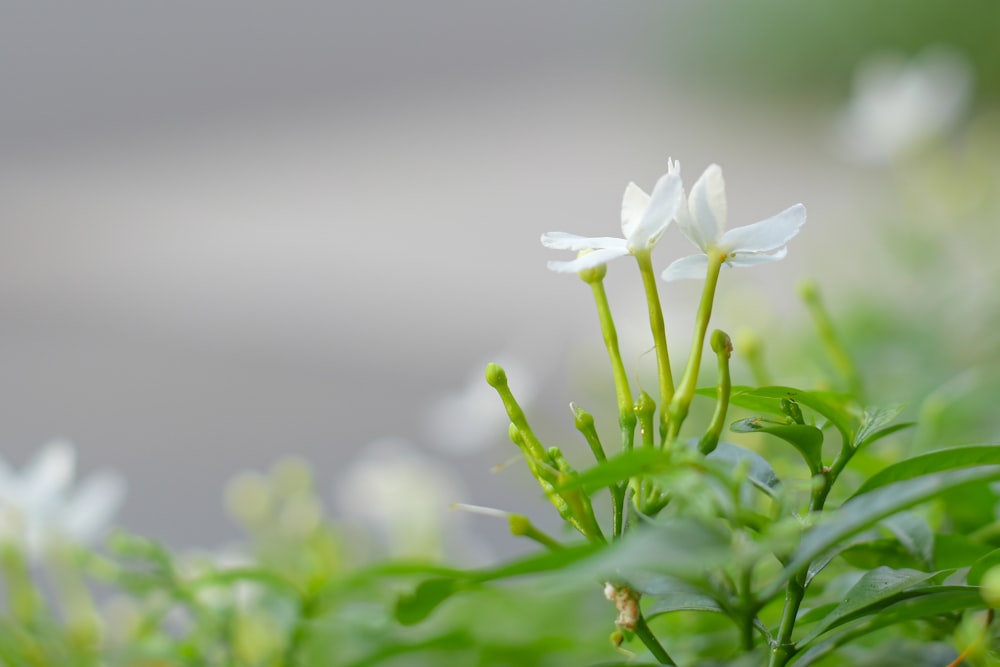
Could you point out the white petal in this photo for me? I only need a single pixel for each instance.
(707, 205)
(766, 235)
(564, 241)
(687, 268)
(92, 507)
(634, 203)
(663, 205)
(48, 476)
(591, 259)
(753, 259)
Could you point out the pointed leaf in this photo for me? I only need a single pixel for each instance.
(875, 590)
(759, 471)
(865, 510)
(665, 604)
(619, 468)
(914, 534)
(416, 606)
(835, 407)
(930, 602)
(935, 461)
(808, 440)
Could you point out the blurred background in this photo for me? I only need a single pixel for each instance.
(238, 232)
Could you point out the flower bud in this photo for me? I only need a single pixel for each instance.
(495, 375)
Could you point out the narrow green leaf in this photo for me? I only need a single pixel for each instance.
(835, 407)
(865, 510)
(872, 424)
(935, 461)
(416, 606)
(876, 589)
(759, 471)
(546, 561)
(665, 604)
(808, 440)
(619, 468)
(926, 603)
(915, 535)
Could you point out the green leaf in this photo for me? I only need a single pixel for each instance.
(808, 440)
(935, 461)
(865, 510)
(914, 534)
(665, 604)
(835, 407)
(874, 424)
(415, 607)
(930, 602)
(759, 471)
(952, 551)
(619, 468)
(875, 590)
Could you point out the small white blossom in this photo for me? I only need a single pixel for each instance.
(40, 506)
(402, 496)
(896, 104)
(702, 219)
(644, 219)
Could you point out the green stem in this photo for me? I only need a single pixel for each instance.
(723, 349)
(647, 637)
(626, 417)
(824, 325)
(666, 378)
(689, 382)
(783, 648)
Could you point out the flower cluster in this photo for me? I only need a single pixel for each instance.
(702, 219)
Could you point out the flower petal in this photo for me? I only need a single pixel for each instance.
(687, 268)
(48, 477)
(755, 258)
(663, 205)
(766, 235)
(707, 205)
(634, 203)
(92, 507)
(564, 241)
(591, 259)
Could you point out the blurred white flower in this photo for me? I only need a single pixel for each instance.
(896, 104)
(644, 219)
(40, 506)
(472, 418)
(402, 496)
(702, 219)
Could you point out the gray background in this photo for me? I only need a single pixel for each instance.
(237, 231)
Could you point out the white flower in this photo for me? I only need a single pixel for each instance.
(703, 220)
(40, 507)
(896, 104)
(644, 219)
(402, 495)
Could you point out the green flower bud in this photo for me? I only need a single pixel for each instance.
(495, 375)
(721, 343)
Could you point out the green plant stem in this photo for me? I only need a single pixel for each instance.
(647, 637)
(626, 416)
(681, 402)
(664, 374)
(824, 325)
(723, 348)
(783, 649)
